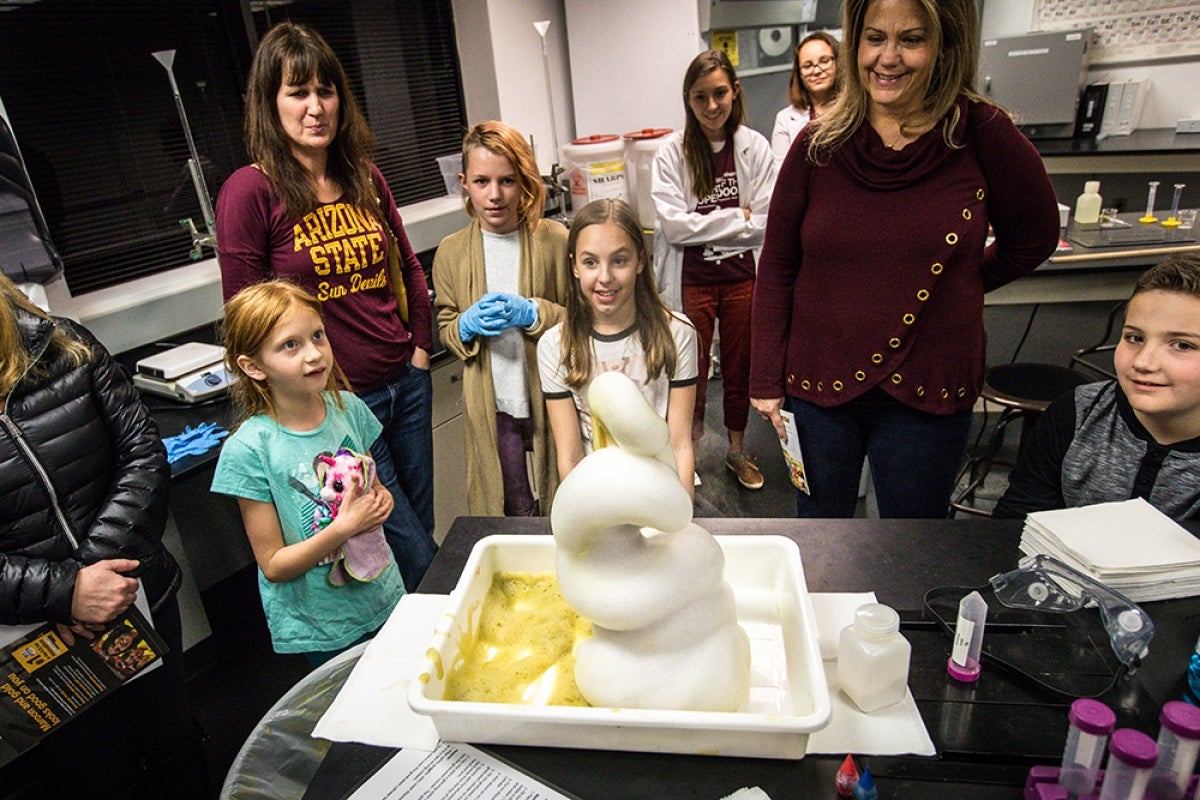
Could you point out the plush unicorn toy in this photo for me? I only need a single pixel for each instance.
(365, 555)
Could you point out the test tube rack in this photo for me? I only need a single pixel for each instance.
(1042, 784)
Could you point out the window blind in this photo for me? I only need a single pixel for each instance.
(96, 120)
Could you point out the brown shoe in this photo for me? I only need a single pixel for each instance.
(742, 465)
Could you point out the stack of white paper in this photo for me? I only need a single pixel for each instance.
(1131, 547)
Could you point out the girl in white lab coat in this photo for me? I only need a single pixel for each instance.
(712, 184)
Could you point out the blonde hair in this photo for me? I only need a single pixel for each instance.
(250, 316)
(653, 318)
(507, 142)
(954, 40)
(16, 360)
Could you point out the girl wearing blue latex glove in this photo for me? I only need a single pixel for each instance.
(500, 283)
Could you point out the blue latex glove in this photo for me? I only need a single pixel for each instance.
(522, 311)
(194, 441)
(517, 311)
(485, 318)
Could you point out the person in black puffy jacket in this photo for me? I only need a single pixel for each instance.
(83, 502)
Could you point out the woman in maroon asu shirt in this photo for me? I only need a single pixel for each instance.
(868, 307)
(312, 208)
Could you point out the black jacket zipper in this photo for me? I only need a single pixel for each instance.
(18, 437)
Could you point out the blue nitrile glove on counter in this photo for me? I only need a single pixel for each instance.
(194, 441)
(494, 313)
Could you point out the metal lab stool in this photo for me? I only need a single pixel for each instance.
(1024, 391)
(1083, 357)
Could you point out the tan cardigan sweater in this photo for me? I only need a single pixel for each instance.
(459, 281)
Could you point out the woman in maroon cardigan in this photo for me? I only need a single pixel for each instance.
(868, 310)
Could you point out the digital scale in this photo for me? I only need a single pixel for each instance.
(188, 373)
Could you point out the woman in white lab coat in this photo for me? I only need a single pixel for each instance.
(712, 184)
(812, 90)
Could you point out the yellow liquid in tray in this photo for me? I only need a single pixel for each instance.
(523, 648)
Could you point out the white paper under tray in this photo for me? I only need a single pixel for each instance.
(789, 698)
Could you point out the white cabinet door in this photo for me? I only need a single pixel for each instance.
(449, 453)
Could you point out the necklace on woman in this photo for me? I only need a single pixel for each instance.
(905, 135)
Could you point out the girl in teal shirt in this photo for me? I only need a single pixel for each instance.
(286, 388)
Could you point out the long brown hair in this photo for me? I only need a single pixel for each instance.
(507, 142)
(250, 316)
(653, 318)
(797, 91)
(954, 38)
(697, 152)
(15, 359)
(292, 53)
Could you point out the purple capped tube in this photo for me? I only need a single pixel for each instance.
(1178, 746)
(1091, 723)
(1131, 758)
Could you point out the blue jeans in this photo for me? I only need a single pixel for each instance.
(914, 456)
(404, 462)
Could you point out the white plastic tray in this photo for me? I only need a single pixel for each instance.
(789, 698)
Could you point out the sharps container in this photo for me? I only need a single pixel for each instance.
(1091, 723)
(1131, 756)
(595, 167)
(1178, 745)
(872, 668)
(640, 147)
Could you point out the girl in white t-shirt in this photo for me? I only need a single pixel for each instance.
(616, 321)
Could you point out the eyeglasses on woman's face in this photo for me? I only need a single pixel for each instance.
(821, 64)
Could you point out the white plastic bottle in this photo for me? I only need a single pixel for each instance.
(873, 658)
(1087, 205)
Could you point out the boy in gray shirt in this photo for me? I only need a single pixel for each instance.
(1137, 436)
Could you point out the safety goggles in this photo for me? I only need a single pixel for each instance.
(1040, 627)
(1043, 583)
